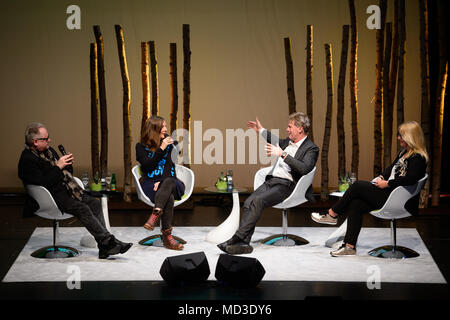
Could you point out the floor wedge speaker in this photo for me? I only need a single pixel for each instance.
(239, 271)
(185, 269)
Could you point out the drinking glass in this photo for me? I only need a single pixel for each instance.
(85, 180)
(108, 181)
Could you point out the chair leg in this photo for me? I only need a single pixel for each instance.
(55, 233)
(393, 251)
(284, 239)
(54, 251)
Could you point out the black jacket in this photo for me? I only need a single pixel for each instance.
(416, 167)
(35, 170)
(159, 162)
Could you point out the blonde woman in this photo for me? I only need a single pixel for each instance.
(364, 196)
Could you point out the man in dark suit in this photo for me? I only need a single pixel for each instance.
(39, 164)
(297, 156)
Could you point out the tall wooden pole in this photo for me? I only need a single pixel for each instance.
(392, 81)
(378, 107)
(103, 106)
(341, 103)
(145, 84)
(438, 130)
(309, 71)
(173, 87)
(95, 110)
(401, 65)
(289, 74)
(439, 110)
(186, 91)
(326, 136)
(425, 88)
(387, 107)
(126, 103)
(354, 88)
(154, 77)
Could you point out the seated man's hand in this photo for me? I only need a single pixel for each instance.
(272, 150)
(64, 161)
(255, 125)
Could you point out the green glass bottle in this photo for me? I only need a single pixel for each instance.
(113, 182)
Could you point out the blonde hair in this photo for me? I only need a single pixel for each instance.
(412, 134)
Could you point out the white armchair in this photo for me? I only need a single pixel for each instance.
(49, 210)
(184, 174)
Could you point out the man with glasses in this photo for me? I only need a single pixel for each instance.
(39, 164)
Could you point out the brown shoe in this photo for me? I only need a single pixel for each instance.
(169, 242)
(150, 224)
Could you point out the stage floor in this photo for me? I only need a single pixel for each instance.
(433, 226)
(309, 262)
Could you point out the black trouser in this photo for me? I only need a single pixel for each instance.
(362, 197)
(270, 193)
(89, 211)
(164, 199)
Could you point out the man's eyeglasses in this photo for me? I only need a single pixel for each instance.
(43, 139)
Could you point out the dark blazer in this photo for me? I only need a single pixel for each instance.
(302, 163)
(416, 167)
(34, 170)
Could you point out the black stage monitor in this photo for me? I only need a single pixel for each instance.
(239, 271)
(185, 269)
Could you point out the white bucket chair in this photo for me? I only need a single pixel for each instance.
(184, 174)
(393, 209)
(49, 210)
(296, 198)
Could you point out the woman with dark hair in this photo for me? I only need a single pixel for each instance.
(159, 181)
(364, 196)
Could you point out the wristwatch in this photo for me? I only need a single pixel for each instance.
(284, 154)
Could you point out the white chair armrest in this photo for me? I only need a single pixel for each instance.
(260, 177)
(297, 196)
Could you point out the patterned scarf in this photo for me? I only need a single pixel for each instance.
(68, 181)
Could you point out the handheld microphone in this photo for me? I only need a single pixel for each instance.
(62, 150)
(175, 142)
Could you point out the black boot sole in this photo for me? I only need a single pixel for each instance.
(238, 249)
(126, 247)
(115, 250)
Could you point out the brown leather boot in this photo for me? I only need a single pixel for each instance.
(150, 224)
(169, 242)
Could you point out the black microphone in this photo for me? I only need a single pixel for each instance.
(62, 150)
(175, 142)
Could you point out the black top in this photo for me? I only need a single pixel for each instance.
(156, 165)
(413, 169)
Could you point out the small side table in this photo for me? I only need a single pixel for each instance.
(226, 229)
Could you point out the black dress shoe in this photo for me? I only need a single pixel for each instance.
(240, 247)
(112, 246)
(124, 246)
(222, 246)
